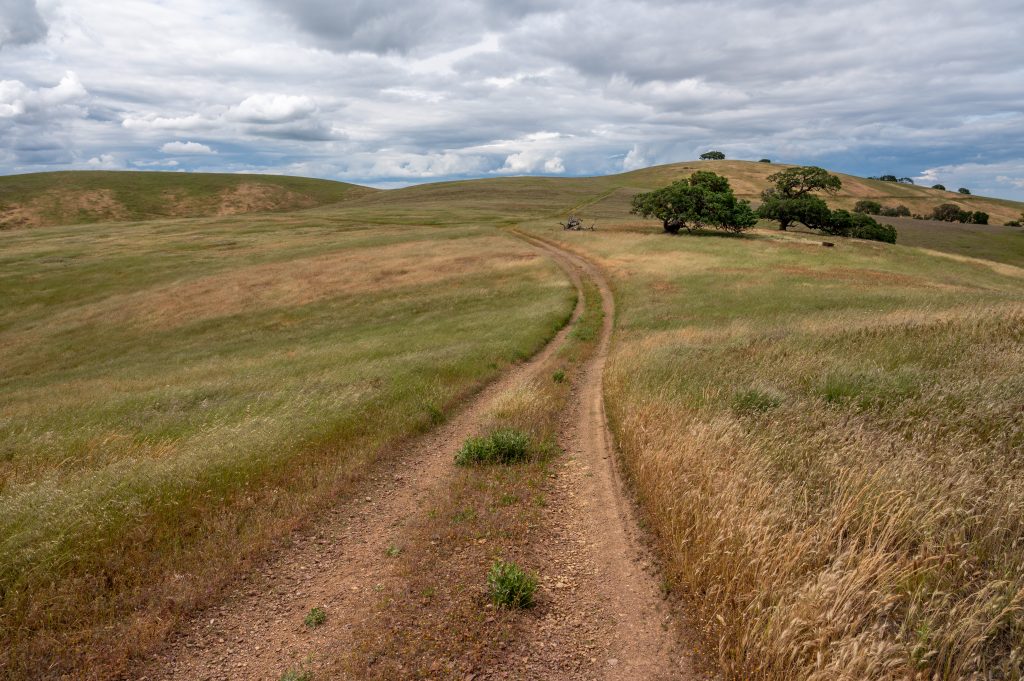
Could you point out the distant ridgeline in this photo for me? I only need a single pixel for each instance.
(76, 197)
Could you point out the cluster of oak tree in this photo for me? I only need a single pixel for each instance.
(946, 212)
(705, 200)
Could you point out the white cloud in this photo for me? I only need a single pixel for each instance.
(17, 99)
(154, 122)
(634, 159)
(103, 162)
(271, 108)
(186, 148)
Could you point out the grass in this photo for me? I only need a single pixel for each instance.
(487, 514)
(502, 446)
(81, 197)
(828, 446)
(315, 617)
(170, 405)
(826, 442)
(509, 586)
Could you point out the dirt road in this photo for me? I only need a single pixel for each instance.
(606, 617)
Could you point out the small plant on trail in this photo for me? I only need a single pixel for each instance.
(558, 376)
(503, 446)
(392, 551)
(296, 675)
(315, 617)
(510, 586)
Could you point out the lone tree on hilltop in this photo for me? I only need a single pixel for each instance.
(939, 186)
(964, 190)
(790, 197)
(702, 200)
(712, 156)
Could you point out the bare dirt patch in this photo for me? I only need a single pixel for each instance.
(253, 198)
(63, 207)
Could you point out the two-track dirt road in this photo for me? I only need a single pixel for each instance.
(606, 616)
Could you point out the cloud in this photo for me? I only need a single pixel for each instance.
(103, 162)
(981, 178)
(186, 148)
(272, 108)
(404, 26)
(407, 91)
(155, 122)
(20, 23)
(18, 100)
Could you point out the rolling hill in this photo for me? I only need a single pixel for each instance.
(803, 426)
(77, 197)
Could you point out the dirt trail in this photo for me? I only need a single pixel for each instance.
(607, 619)
(609, 591)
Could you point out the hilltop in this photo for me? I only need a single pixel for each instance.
(77, 197)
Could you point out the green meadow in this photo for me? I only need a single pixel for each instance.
(826, 442)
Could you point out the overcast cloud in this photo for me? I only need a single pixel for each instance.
(397, 92)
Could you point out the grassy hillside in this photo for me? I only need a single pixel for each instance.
(606, 200)
(829, 446)
(827, 441)
(176, 395)
(749, 179)
(76, 197)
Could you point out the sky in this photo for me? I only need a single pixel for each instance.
(394, 93)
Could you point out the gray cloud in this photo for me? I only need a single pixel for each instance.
(404, 91)
(20, 23)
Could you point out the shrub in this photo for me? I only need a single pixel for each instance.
(558, 376)
(765, 160)
(509, 586)
(900, 211)
(712, 156)
(950, 212)
(315, 617)
(503, 446)
(979, 217)
(964, 190)
(941, 187)
(872, 230)
(868, 206)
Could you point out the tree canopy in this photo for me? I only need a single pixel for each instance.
(712, 156)
(794, 182)
(702, 200)
(789, 199)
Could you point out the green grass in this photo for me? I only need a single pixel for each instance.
(510, 586)
(502, 446)
(315, 617)
(809, 428)
(169, 404)
(828, 445)
(76, 197)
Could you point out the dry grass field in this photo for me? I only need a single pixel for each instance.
(828, 444)
(175, 395)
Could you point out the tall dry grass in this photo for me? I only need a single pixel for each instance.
(866, 527)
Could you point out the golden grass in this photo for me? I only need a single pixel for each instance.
(166, 419)
(829, 446)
